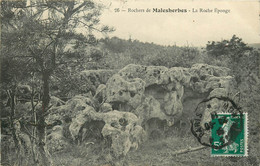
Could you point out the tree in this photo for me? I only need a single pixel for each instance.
(242, 59)
(234, 47)
(35, 33)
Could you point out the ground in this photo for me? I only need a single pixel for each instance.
(159, 151)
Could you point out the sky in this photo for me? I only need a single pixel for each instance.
(190, 28)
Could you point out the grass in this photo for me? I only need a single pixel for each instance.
(159, 151)
(154, 152)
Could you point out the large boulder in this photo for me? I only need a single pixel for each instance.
(205, 78)
(123, 130)
(59, 121)
(148, 91)
(121, 91)
(206, 81)
(78, 121)
(164, 93)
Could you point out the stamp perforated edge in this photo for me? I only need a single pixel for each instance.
(246, 140)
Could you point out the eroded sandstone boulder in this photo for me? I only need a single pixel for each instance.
(148, 91)
(82, 123)
(122, 92)
(205, 78)
(159, 92)
(60, 119)
(124, 131)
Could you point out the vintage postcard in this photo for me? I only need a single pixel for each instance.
(130, 82)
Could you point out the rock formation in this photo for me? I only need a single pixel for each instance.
(153, 92)
(135, 102)
(80, 122)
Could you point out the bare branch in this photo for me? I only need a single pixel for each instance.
(90, 27)
(42, 5)
(188, 150)
(29, 133)
(46, 47)
(77, 8)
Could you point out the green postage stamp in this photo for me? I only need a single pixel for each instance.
(229, 134)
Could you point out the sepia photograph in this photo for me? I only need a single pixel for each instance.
(130, 83)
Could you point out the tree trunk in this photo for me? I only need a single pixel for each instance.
(44, 160)
(11, 94)
(33, 119)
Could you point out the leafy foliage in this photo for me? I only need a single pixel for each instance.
(233, 47)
